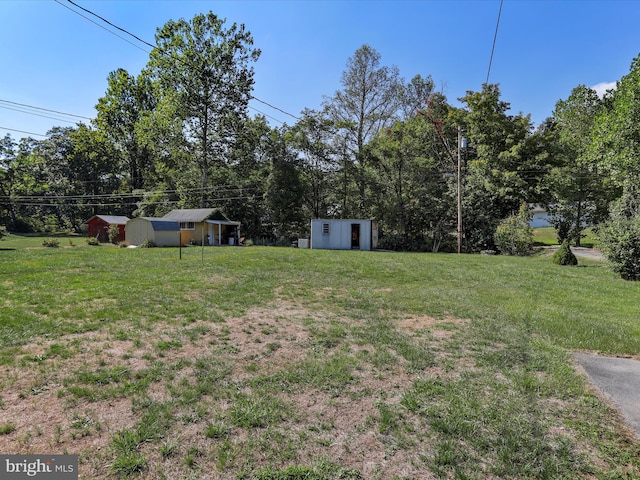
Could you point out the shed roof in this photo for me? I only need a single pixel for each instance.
(195, 215)
(111, 219)
(337, 220)
(162, 224)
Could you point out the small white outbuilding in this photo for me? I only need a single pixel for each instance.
(344, 234)
(162, 232)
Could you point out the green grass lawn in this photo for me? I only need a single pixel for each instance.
(284, 363)
(33, 240)
(549, 236)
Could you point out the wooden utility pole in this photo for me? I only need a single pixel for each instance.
(461, 144)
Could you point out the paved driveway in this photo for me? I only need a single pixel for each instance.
(587, 253)
(618, 379)
(579, 252)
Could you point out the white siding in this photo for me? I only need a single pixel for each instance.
(335, 234)
(167, 238)
(140, 229)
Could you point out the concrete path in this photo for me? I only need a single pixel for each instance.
(618, 379)
(579, 252)
(587, 253)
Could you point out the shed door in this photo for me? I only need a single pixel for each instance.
(355, 236)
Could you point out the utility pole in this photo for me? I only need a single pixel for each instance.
(462, 143)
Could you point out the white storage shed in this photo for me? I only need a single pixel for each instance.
(162, 232)
(344, 234)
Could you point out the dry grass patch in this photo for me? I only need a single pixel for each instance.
(82, 401)
(387, 396)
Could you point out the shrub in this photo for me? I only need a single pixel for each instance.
(564, 255)
(3, 231)
(620, 242)
(114, 232)
(147, 244)
(51, 243)
(620, 235)
(93, 241)
(514, 235)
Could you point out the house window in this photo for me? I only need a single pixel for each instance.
(326, 228)
(187, 226)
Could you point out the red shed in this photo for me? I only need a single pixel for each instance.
(99, 226)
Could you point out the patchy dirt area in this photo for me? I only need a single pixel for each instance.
(280, 385)
(74, 394)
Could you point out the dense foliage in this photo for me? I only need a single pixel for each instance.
(514, 235)
(620, 237)
(178, 134)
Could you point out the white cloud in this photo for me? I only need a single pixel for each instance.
(602, 87)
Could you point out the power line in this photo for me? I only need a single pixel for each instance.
(266, 115)
(275, 108)
(117, 196)
(44, 109)
(22, 131)
(152, 46)
(97, 24)
(36, 114)
(109, 23)
(119, 204)
(495, 36)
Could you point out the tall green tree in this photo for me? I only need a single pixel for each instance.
(94, 176)
(60, 182)
(414, 185)
(616, 136)
(497, 171)
(204, 69)
(580, 196)
(616, 142)
(35, 177)
(249, 173)
(497, 139)
(311, 137)
(160, 132)
(8, 153)
(414, 96)
(285, 190)
(127, 100)
(367, 103)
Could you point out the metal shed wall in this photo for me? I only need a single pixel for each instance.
(161, 232)
(339, 236)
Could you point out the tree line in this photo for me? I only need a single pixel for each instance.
(179, 135)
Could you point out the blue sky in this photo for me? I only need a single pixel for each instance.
(53, 58)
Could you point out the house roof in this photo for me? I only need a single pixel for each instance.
(111, 219)
(162, 224)
(195, 215)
